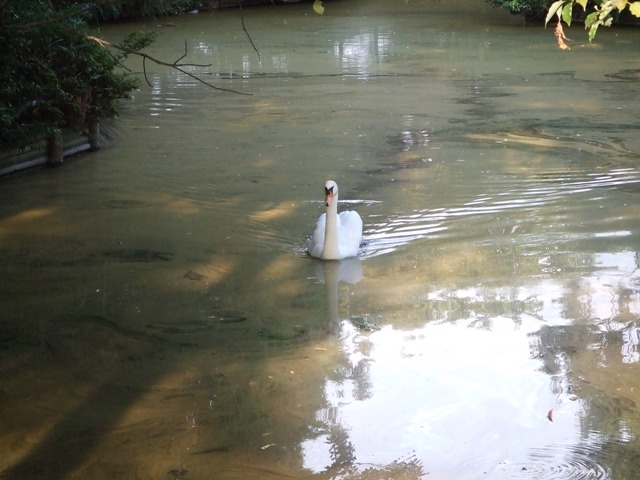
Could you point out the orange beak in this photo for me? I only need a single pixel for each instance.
(328, 197)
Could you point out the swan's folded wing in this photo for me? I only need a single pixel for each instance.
(315, 244)
(350, 233)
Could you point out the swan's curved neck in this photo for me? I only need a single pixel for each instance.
(331, 250)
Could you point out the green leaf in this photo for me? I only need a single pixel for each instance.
(317, 7)
(606, 9)
(620, 4)
(583, 4)
(567, 13)
(554, 9)
(635, 8)
(592, 31)
(590, 20)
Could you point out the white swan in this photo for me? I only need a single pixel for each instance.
(335, 236)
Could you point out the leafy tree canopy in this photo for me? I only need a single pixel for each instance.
(599, 13)
(51, 75)
(596, 13)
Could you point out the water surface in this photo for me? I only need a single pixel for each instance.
(161, 320)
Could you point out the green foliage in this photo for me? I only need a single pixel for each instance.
(318, 7)
(137, 41)
(599, 12)
(51, 75)
(143, 8)
(521, 7)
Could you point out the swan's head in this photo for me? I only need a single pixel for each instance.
(330, 191)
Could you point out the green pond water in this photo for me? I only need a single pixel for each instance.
(160, 319)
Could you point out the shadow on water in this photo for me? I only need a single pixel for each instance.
(76, 435)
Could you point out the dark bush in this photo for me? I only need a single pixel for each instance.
(51, 75)
(528, 8)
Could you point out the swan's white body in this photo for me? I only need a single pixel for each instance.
(335, 236)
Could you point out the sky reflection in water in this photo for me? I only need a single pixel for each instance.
(446, 393)
(474, 396)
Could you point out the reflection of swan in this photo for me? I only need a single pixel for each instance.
(348, 271)
(335, 236)
(331, 274)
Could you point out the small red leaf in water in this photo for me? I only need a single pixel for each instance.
(550, 415)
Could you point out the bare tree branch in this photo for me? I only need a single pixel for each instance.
(185, 54)
(144, 71)
(175, 65)
(245, 30)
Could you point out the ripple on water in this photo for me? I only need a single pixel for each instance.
(528, 195)
(553, 462)
(581, 463)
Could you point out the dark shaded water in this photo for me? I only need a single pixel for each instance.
(160, 319)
